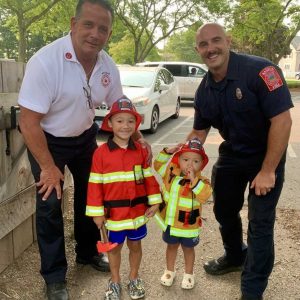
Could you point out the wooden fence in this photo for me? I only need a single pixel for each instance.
(17, 189)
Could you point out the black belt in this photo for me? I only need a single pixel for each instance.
(125, 202)
(93, 128)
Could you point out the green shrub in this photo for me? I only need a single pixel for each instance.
(293, 83)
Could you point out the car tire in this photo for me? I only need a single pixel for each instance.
(177, 112)
(154, 120)
(298, 76)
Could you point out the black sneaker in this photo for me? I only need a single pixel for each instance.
(244, 297)
(99, 262)
(221, 266)
(57, 291)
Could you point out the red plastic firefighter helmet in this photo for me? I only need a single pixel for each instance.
(120, 106)
(193, 145)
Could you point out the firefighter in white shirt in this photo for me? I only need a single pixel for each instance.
(63, 83)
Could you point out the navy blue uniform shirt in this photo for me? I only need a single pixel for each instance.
(242, 104)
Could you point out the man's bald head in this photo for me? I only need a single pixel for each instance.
(213, 44)
(209, 26)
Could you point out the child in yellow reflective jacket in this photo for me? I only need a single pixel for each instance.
(184, 191)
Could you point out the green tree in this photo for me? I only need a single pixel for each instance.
(260, 27)
(151, 21)
(8, 40)
(122, 51)
(118, 31)
(56, 23)
(21, 14)
(181, 45)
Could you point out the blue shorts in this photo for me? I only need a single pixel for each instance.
(131, 234)
(186, 242)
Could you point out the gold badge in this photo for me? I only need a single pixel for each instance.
(238, 93)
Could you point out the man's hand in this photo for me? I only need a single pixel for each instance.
(146, 145)
(35, 140)
(278, 138)
(150, 212)
(174, 149)
(263, 183)
(50, 178)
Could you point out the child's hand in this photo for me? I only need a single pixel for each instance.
(99, 221)
(190, 174)
(150, 212)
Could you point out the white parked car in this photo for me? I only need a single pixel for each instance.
(187, 74)
(154, 93)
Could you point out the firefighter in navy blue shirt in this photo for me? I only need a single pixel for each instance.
(246, 98)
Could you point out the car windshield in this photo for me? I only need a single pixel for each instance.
(136, 78)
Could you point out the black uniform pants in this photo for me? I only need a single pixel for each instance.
(230, 178)
(76, 153)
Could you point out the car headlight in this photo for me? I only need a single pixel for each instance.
(141, 101)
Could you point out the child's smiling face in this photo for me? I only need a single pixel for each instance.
(123, 126)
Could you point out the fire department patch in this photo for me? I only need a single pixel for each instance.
(271, 78)
(68, 55)
(105, 79)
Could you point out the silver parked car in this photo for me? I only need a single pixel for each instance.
(154, 93)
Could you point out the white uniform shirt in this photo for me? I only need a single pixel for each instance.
(53, 85)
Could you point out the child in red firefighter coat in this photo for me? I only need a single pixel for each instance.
(122, 194)
(184, 191)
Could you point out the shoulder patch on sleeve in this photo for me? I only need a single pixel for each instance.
(271, 78)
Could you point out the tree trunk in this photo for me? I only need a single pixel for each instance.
(22, 39)
(22, 46)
